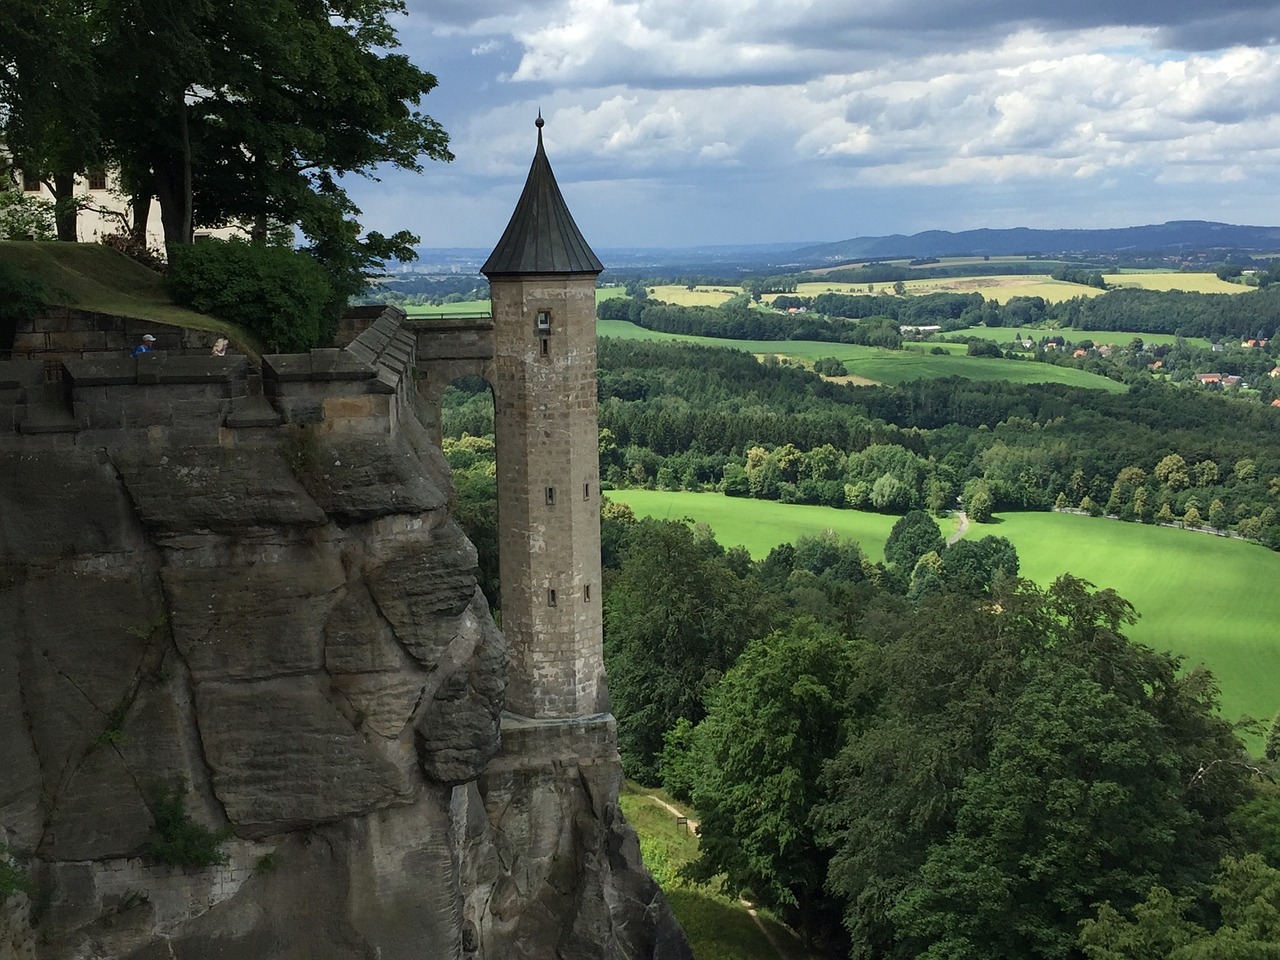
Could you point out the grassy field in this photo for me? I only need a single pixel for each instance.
(701, 296)
(89, 276)
(877, 365)
(1001, 288)
(1204, 597)
(760, 525)
(467, 308)
(1118, 337)
(718, 926)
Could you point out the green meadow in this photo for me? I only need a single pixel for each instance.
(913, 362)
(466, 308)
(1120, 338)
(760, 525)
(1002, 288)
(1206, 598)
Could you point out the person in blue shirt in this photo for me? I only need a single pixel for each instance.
(144, 346)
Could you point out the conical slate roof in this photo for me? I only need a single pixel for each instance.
(541, 237)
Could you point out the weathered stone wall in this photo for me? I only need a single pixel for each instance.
(65, 333)
(258, 596)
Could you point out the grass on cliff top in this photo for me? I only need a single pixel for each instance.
(717, 925)
(89, 276)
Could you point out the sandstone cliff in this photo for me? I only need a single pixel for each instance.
(279, 627)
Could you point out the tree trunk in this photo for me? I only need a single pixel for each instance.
(168, 184)
(64, 206)
(140, 213)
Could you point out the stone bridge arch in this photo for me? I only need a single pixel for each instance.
(447, 350)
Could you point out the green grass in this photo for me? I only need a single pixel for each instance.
(699, 296)
(760, 525)
(914, 362)
(1198, 595)
(466, 308)
(1002, 288)
(89, 276)
(1205, 598)
(1118, 337)
(718, 926)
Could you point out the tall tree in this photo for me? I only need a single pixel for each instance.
(1021, 761)
(676, 617)
(771, 724)
(49, 119)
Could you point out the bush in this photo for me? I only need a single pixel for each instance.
(277, 294)
(21, 298)
(182, 842)
(25, 217)
(12, 879)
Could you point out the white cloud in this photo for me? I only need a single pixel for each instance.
(1017, 102)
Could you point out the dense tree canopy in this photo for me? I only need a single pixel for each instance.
(676, 617)
(246, 114)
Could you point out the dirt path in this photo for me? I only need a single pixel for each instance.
(764, 931)
(693, 824)
(960, 530)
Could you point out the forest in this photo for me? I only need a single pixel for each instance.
(926, 756)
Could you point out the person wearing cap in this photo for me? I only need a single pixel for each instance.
(145, 345)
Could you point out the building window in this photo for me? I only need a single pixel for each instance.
(97, 180)
(551, 598)
(544, 322)
(586, 592)
(586, 491)
(30, 181)
(551, 496)
(546, 351)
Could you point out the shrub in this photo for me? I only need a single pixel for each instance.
(25, 217)
(21, 298)
(12, 879)
(135, 249)
(275, 293)
(182, 842)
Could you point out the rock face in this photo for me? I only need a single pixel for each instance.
(285, 632)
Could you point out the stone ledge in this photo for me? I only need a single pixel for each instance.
(154, 368)
(327, 364)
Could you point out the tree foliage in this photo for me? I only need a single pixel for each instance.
(772, 722)
(247, 114)
(278, 294)
(1163, 927)
(676, 617)
(1021, 761)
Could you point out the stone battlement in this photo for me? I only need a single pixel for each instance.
(363, 387)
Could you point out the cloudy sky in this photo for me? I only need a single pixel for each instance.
(693, 122)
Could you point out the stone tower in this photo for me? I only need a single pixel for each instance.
(542, 279)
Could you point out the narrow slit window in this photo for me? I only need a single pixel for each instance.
(586, 592)
(546, 347)
(586, 491)
(551, 496)
(551, 598)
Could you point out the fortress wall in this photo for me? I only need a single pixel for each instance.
(65, 333)
(366, 388)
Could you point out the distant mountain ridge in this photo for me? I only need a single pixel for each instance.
(1163, 237)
